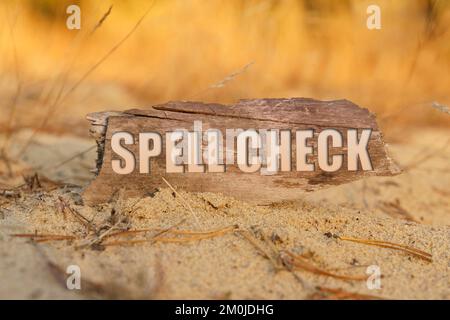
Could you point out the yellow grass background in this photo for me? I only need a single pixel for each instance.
(306, 48)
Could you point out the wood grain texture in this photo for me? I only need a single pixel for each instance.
(292, 114)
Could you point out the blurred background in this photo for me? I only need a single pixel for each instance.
(140, 53)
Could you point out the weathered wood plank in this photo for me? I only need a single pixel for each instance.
(282, 114)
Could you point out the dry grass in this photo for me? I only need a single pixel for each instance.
(61, 97)
(185, 203)
(394, 246)
(282, 259)
(115, 230)
(109, 289)
(64, 208)
(441, 107)
(301, 263)
(117, 225)
(44, 237)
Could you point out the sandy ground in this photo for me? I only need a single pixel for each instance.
(249, 254)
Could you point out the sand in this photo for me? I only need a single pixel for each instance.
(411, 209)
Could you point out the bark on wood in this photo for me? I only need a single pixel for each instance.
(293, 114)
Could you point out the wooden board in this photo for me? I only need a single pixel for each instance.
(292, 114)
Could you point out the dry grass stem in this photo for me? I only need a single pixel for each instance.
(274, 257)
(193, 236)
(299, 262)
(213, 234)
(102, 19)
(176, 232)
(340, 294)
(13, 105)
(171, 228)
(390, 245)
(231, 76)
(76, 155)
(109, 53)
(265, 253)
(394, 209)
(97, 239)
(225, 80)
(65, 207)
(44, 237)
(420, 160)
(62, 98)
(185, 203)
(441, 107)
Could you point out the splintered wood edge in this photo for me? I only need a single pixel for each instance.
(99, 124)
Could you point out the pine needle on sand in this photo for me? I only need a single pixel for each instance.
(390, 245)
(301, 263)
(191, 236)
(61, 98)
(324, 293)
(183, 200)
(44, 237)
